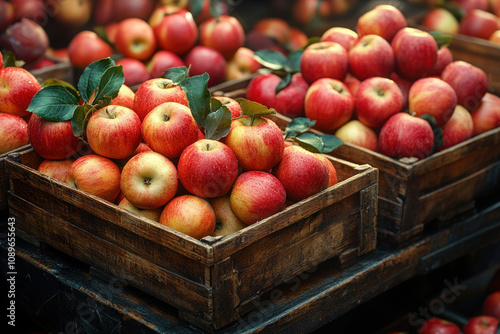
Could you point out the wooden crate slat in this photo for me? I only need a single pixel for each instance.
(4, 180)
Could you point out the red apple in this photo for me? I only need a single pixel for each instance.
(487, 115)
(257, 143)
(371, 56)
(203, 59)
(57, 169)
(242, 64)
(227, 223)
(415, 53)
(468, 5)
(404, 85)
(86, 47)
(341, 35)
(406, 136)
(441, 19)
(479, 23)
(13, 131)
(459, 128)
(161, 61)
(26, 39)
(495, 7)
(175, 29)
(470, 83)
(224, 34)
(125, 97)
(491, 305)
(103, 12)
(43, 62)
(432, 96)
(149, 180)
(383, 20)
(495, 37)
(17, 88)
(154, 92)
(29, 9)
(438, 325)
(297, 39)
(352, 83)
(6, 14)
(169, 128)
(444, 57)
(376, 100)
(114, 132)
(60, 53)
(153, 214)
(53, 140)
(125, 9)
(255, 40)
(256, 195)
(275, 28)
(233, 106)
(289, 101)
(134, 71)
(342, 7)
(324, 60)
(135, 39)
(330, 103)
(332, 172)
(307, 11)
(95, 175)
(482, 324)
(190, 215)
(73, 13)
(302, 173)
(356, 133)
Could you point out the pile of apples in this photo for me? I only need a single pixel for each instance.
(163, 159)
(475, 18)
(386, 87)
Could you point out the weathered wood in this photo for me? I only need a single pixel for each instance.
(4, 180)
(61, 70)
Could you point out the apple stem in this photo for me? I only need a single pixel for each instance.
(147, 181)
(111, 113)
(166, 118)
(252, 120)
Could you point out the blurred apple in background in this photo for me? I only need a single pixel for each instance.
(87, 47)
(124, 9)
(58, 169)
(6, 14)
(324, 60)
(13, 131)
(468, 5)
(255, 40)
(355, 132)
(18, 86)
(491, 305)
(459, 128)
(444, 57)
(203, 59)
(344, 36)
(26, 39)
(481, 324)
(479, 23)
(224, 34)
(102, 13)
(330, 103)
(383, 20)
(487, 115)
(495, 7)
(29, 9)
(297, 39)
(242, 64)
(74, 13)
(495, 37)
(226, 221)
(134, 71)
(441, 19)
(161, 61)
(135, 39)
(308, 11)
(438, 325)
(273, 27)
(371, 56)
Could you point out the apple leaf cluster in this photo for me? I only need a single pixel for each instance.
(279, 64)
(97, 86)
(196, 7)
(9, 60)
(319, 143)
(441, 39)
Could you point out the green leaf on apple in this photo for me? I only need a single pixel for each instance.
(80, 118)
(271, 59)
(293, 63)
(331, 143)
(253, 109)
(103, 34)
(438, 133)
(323, 143)
(9, 60)
(298, 125)
(90, 79)
(215, 8)
(54, 103)
(441, 39)
(176, 74)
(109, 85)
(285, 81)
(196, 7)
(218, 123)
(198, 96)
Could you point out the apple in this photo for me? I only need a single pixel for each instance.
(255, 40)
(114, 132)
(226, 221)
(415, 52)
(383, 20)
(376, 100)
(330, 103)
(40, 64)
(444, 57)
(341, 35)
(403, 135)
(149, 180)
(86, 47)
(135, 39)
(468, 5)
(153, 214)
(273, 27)
(191, 215)
(491, 305)
(53, 140)
(95, 175)
(17, 88)
(302, 173)
(481, 324)
(356, 133)
(73, 13)
(6, 14)
(26, 39)
(404, 85)
(125, 9)
(332, 172)
(324, 60)
(13, 131)
(256, 195)
(352, 83)
(469, 81)
(174, 28)
(224, 34)
(29, 9)
(203, 59)
(257, 143)
(233, 106)
(479, 23)
(103, 12)
(161, 61)
(296, 40)
(289, 101)
(169, 128)
(495, 37)
(438, 325)
(432, 96)
(154, 92)
(307, 11)
(371, 56)
(495, 7)
(441, 19)
(125, 97)
(342, 7)
(242, 64)
(487, 115)
(459, 128)
(57, 169)
(134, 71)
(60, 53)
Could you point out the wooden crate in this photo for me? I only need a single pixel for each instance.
(4, 181)
(211, 282)
(60, 70)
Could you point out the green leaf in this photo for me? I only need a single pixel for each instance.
(298, 125)
(218, 123)
(285, 81)
(69, 87)
(198, 97)
(215, 8)
(271, 59)
(54, 103)
(294, 61)
(310, 142)
(9, 60)
(196, 7)
(80, 119)
(103, 34)
(91, 77)
(109, 85)
(252, 108)
(331, 143)
(438, 133)
(176, 74)
(441, 39)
